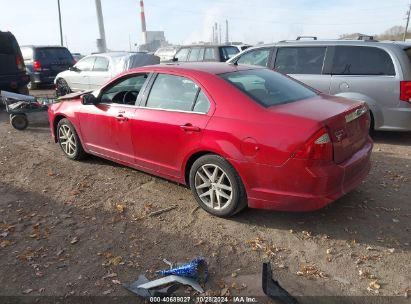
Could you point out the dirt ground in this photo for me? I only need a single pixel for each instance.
(83, 228)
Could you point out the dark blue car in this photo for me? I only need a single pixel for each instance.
(45, 62)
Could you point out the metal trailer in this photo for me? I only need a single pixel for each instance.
(22, 107)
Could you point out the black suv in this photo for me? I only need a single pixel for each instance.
(207, 52)
(45, 62)
(13, 75)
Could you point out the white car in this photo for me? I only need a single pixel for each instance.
(91, 72)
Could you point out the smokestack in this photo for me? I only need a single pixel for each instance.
(101, 42)
(143, 22)
(219, 28)
(226, 32)
(213, 39)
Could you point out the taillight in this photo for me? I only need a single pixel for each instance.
(317, 147)
(19, 62)
(405, 91)
(37, 65)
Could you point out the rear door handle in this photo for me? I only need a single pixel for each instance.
(190, 128)
(121, 118)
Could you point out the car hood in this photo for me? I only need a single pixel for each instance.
(74, 95)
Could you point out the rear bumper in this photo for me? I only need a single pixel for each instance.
(40, 78)
(299, 187)
(13, 83)
(397, 119)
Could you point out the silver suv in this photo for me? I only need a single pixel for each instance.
(378, 73)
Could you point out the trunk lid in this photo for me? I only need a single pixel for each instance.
(346, 120)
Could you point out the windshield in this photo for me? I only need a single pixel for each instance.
(267, 87)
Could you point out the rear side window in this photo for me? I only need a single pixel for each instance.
(210, 54)
(182, 54)
(196, 54)
(359, 60)
(255, 57)
(8, 44)
(300, 60)
(170, 92)
(268, 87)
(101, 64)
(228, 51)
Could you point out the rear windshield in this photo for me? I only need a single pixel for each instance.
(8, 44)
(53, 54)
(267, 87)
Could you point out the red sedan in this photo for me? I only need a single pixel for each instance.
(237, 135)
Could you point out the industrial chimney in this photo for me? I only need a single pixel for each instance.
(143, 22)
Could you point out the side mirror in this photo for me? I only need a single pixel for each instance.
(175, 59)
(89, 99)
(74, 69)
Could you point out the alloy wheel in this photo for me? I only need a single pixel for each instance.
(213, 186)
(67, 140)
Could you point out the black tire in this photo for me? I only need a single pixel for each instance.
(19, 122)
(238, 196)
(75, 152)
(62, 87)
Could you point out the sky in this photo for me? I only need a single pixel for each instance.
(184, 22)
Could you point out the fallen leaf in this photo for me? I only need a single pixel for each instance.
(395, 220)
(27, 291)
(391, 250)
(330, 251)
(120, 208)
(116, 282)
(107, 292)
(110, 275)
(234, 274)
(374, 285)
(115, 261)
(6, 243)
(74, 240)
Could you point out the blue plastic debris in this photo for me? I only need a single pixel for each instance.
(197, 269)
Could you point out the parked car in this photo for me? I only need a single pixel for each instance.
(166, 53)
(43, 63)
(206, 52)
(378, 73)
(13, 75)
(93, 71)
(237, 135)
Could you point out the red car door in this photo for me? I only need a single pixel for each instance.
(170, 125)
(106, 126)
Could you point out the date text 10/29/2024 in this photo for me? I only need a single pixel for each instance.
(188, 299)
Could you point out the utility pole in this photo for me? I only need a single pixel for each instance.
(101, 42)
(408, 21)
(61, 28)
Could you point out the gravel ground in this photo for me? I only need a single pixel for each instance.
(82, 228)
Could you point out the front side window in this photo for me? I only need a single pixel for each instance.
(228, 51)
(300, 60)
(359, 60)
(101, 64)
(255, 57)
(268, 87)
(170, 92)
(125, 91)
(182, 54)
(86, 64)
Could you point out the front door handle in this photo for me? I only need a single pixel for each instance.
(190, 128)
(121, 118)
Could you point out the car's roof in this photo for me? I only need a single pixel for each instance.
(206, 45)
(207, 67)
(118, 54)
(43, 46)
(335, 42)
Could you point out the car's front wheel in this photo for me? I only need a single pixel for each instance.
(69, 141)
(62, 87)
(216, 186)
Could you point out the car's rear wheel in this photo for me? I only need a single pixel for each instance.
(69, 141)
(62, 87)
(216, 186)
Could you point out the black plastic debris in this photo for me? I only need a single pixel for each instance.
(273, 289)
